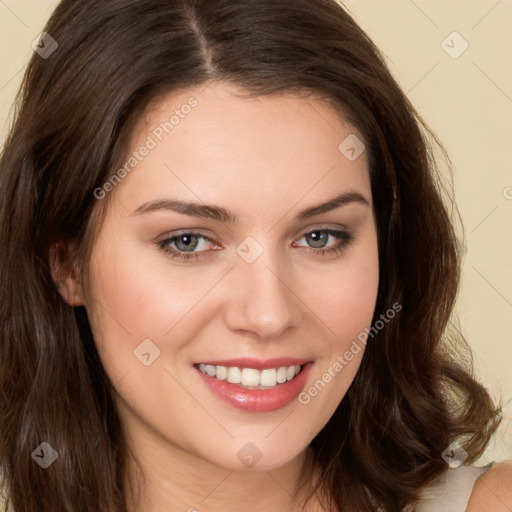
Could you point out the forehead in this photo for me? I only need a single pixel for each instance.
(214, 144)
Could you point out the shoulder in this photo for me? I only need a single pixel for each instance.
(493, 490)
(453, 488)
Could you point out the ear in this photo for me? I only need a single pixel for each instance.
(65, 273)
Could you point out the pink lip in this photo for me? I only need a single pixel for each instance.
(257, 400)
(258, 364)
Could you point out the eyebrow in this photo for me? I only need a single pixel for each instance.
(218, 213)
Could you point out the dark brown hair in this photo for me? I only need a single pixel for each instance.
(413, 395)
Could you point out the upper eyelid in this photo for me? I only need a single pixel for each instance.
(197, 232)
(210, 239)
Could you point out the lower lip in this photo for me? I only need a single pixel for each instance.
(257, 400)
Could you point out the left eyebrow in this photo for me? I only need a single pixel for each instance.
(348, 197)
(218, 213)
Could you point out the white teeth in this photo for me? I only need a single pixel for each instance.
(234, 375)
(221, 372)
(268, 377)
(251, 377)
(281, 374)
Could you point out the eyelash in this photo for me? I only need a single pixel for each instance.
(344, 239)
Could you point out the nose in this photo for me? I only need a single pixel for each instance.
(262, 301)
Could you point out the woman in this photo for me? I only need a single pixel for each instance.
(230, 271)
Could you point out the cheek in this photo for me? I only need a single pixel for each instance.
(138, 295)
(126, 303)
(346, 305)
(135, 290)
(347, 292)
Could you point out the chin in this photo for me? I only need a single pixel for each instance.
(254, 456)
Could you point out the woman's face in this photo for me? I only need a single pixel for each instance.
(272, 275)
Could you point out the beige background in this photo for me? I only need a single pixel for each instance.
(467, 101)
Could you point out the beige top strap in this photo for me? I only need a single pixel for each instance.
(452, 490)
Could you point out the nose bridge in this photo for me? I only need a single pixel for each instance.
(262, 300)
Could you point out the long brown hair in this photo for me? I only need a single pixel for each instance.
(413, 394)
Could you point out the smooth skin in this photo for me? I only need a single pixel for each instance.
(493, 490)
(265, 160)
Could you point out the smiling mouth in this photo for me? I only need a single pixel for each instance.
(251, 378)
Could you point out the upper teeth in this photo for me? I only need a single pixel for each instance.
(251, 377)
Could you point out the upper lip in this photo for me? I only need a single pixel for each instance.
(258, 364)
